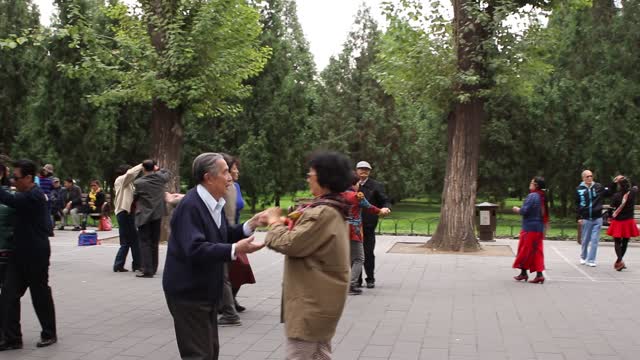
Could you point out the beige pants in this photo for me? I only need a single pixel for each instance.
(307, 350)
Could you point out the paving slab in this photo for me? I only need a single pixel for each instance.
(434, 306)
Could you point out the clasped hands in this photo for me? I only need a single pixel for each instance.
(261, 219)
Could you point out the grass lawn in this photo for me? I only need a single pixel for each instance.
(421, 217)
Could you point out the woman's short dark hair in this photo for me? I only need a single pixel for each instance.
(122, 169)
(96, 182)
(149, 165)
(334, 170)
(230, 160)
(540, 183)
(5, 179)
(624, 184)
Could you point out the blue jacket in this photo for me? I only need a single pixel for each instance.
(197, 251)
(31, 231)
(531, 212)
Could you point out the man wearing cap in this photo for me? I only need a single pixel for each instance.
(374, 192)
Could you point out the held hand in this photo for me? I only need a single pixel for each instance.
(516, 210)
(247, 246)
(385, 211)
(259, 219)
(273, 215)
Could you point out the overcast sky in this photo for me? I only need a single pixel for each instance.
(326, 23)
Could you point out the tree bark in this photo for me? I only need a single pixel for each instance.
(167, 137)
(455, 230)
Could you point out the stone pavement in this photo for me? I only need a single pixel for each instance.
(425, 307)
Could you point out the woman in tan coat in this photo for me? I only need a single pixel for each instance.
(317, 264)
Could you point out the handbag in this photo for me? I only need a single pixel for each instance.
(105, 224)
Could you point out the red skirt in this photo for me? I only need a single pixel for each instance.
(530, 251)
(240, 272)
(623, 228)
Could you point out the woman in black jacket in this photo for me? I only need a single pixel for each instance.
(623, 226)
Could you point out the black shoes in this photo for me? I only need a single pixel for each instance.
(240, 308)
(143, 275)
(354, 290)
(371, 285)
(46, 342)
(77, 228)
(15, 345)
(120, 270)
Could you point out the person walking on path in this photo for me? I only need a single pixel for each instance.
(124, 189)
(316, 249)
(589, 201)
(374, 192)
(623, 226)
(535, 218)
(201, 242)
(149, 198)
(358, 202)
(29, 265)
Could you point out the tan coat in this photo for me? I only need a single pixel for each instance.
(230, 198)
(316, 272)
(124, 189)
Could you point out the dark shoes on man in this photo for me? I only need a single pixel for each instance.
(229, 322)
(46, 342)
(371, 285)
(16, 345)
(120, 270)
(143, 275)
(353, 290)
(10, 345)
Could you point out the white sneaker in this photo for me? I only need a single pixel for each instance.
(592, 264)
(582, 261)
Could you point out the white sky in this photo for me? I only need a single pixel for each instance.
(326, 23)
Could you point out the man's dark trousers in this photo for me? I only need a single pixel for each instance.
(33, 274)
(196, 326)
(369, 244)
(149, 237)
(128, 240)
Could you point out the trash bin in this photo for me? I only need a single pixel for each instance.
(486, 221)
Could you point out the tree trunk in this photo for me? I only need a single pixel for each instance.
(166, 149)
(167, 137)
(455, 231)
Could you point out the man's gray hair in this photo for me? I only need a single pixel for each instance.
(203, 164)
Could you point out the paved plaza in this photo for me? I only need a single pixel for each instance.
(431, 307)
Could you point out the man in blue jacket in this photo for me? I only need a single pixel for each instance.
(201, 242)
(29, 267)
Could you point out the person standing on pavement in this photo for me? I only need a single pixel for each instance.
(374, 192)
(535, 218)
(589, 201)
(46, 184)
(124, 189)
(149, 198)
(29, 266)
(623, 226)
(201, 242)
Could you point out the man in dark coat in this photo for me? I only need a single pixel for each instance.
(29, 266)
(374, 192)
(201, 242)
(150, 208)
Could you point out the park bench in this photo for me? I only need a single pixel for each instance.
(95, 216)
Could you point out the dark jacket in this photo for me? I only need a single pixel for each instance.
(531, 212)
(97, 206)
(74, 195)
(46, 184)
(56, 200)
(149, 196)
(7, 223)
(31, 231)
(196, 252)
(627, 211)
(374, 192)
(589, 201)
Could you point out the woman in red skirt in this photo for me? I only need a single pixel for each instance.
(623, 226)
(535, 217)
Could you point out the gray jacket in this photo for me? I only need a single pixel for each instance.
(149, 196)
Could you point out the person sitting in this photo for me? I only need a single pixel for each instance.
(95, 203)
(72, 199)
